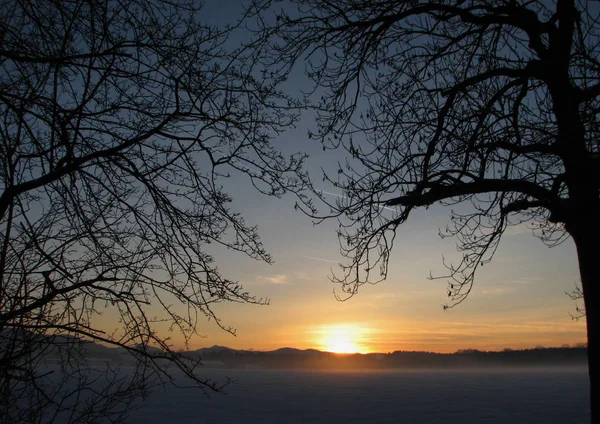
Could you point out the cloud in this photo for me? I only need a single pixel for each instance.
(303, 276)
(277, 279)
(320, 259)
(498, 291)
(527, 280)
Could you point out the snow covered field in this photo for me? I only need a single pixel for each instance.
(462, 397)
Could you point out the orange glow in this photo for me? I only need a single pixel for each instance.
(341, 338)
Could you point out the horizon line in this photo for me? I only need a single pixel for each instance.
(580, 345)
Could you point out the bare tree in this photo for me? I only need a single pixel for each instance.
(491, 106)
(119, 122)
(577, 294)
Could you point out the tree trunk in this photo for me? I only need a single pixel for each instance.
(586, 236)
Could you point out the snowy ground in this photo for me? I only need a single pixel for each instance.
(462, 397)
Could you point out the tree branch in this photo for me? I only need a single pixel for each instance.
(438, 192)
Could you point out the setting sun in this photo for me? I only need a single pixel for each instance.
(341, 339)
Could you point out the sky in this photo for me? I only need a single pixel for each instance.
(518, 300)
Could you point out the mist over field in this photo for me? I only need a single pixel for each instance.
(525, 395)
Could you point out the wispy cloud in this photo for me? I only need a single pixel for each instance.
(321, 259)
(527, 280)
(277, 279)
(498, 291)
(302, 276)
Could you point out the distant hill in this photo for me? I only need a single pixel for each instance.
(214, 350)
(311, 358)
(292, 358)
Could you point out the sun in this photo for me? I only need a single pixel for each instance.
(341, 343)
(341, 339)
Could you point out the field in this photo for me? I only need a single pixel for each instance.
(466, 397)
